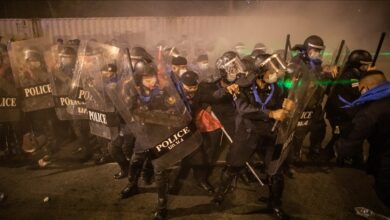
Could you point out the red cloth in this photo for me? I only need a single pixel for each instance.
(206, 122)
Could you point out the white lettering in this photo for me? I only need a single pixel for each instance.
(97, 117)
(38, 90)
(8, 102)
(175, 140)
(67, 101)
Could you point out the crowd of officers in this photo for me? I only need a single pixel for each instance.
(234, 106)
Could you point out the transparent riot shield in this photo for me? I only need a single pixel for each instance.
(98, 65)
(157, 116)
(85, 58)
(9, 101)
(31, 74)
(61, 62)
(301, 84)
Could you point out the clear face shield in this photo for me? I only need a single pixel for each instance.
(233, 68)
(276, 67)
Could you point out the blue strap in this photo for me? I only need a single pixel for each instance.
(346, 102)
(257, 97)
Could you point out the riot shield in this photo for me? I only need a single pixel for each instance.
(301, 84)
(85, 58)
(98, 65)
(9, 102)
(31, 75)
(157, 117)
(61, 62)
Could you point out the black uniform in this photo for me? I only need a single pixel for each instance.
(10, 131)
(253, 133)
(121, 150)
(371, 122)
(312, 119)
(340, 118)
(203, 159)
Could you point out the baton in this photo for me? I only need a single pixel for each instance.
(131, 64)
(378, 49)
(254, 174)
(286, 47)
(339, 52)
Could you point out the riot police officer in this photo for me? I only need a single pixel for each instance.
(259, 102)
(312, 119)
(340, 118)
(200, 102)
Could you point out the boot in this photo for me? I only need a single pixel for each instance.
(132, 188)
(123, 172)
(228, 176)
(201, 176)
(147, 172)
(276, 186)
(161, 179)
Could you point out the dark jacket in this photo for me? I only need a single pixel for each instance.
(251, 116)
(349, 92)
(371, 122)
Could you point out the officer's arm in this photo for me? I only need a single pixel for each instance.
(247, 110)
(361, 129)
(220, 93)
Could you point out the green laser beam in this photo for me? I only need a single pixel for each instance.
(288, 83)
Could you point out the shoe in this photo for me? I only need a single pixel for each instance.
(206, 186)
(160, 214)
(130, 190)
(279, 214)
(120, 175)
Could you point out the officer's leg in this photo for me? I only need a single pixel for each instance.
(3, 137)
(244, 146)
(47, 123)
(297, 144)
(328, 152)
(161, 179)
(211, 142)
(115, 149)
(382, 180)
(200, 164)
(136, 163)
(317, 135)
(275, 178)
(276, 187)
(147, 172)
